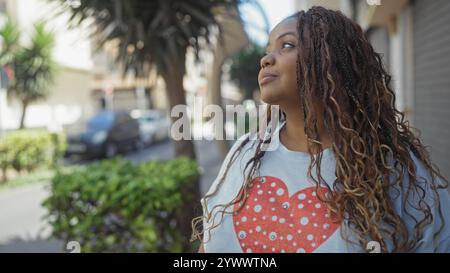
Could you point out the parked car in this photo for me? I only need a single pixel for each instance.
(154, 125)
(106, 134)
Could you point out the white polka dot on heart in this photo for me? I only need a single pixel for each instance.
(280, 192)
(242, 234)
(304, 221)
(273, 236)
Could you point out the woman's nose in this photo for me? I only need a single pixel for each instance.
(267, 60)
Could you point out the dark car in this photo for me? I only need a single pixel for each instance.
(104, 135)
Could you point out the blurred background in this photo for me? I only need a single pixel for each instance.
(87, 88)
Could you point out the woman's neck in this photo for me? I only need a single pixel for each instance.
(293, 136)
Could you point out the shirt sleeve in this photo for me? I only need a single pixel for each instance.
(225, 163)
(440, 222)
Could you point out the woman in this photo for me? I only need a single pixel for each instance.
(348, 174)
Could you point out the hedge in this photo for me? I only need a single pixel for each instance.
(117, 206)
(27, 150)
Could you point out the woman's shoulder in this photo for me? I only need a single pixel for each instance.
(239, 149)
(243, 143)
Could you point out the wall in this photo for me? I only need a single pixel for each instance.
(432, 81)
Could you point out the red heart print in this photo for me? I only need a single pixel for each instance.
(271, 221)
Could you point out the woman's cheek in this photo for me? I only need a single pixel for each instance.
(290, 64)
(291, 80)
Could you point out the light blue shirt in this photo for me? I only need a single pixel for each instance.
(283, 213)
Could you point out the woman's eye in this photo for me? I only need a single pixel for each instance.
(283, 46)
(287, 45)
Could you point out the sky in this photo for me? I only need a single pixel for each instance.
(276, 10)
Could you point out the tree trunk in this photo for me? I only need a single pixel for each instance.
(24, 111)
(176, 94)
(234, 40)
(191, 193)
(215, 95)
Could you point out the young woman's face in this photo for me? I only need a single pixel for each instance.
(277, 77)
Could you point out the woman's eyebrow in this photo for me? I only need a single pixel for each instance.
(282, 35)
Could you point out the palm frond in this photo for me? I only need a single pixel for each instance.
(160, 29)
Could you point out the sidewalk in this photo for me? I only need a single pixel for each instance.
(21, 225)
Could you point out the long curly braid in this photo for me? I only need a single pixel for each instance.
(338, 67)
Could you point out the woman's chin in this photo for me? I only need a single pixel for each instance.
(270, 96)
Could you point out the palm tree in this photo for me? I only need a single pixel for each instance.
(10, 35)
(33, 66)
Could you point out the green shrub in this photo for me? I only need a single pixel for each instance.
(115, 206)
(26, 150)
(59, 146)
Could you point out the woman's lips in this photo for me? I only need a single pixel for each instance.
(267, 79)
